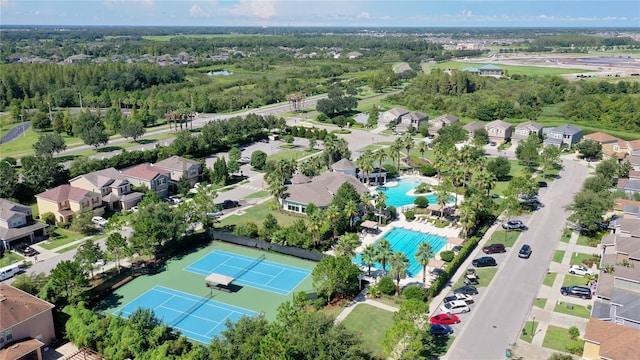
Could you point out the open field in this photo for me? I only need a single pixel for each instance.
(511, 69)
(370, 323)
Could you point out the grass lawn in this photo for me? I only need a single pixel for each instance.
(516, 170)
(576, 310)
(549, 279)
(61, 237)
(566, 235)
(576, 258)
(513, 69)
(571, 280)
(394, 301)
(67, 249)
(370, 323)
(540, 303)
(9, 258)
(374, 147)
(294, 154)
(507, 238)
(558, 256)
(258, 195)
(257, 214)
(334, 310)
(584, 240)
(485, 275)
(557, 338)
(528, 331)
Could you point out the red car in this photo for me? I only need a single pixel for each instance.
(445, 319)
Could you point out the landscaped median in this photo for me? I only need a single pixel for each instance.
(558, 338)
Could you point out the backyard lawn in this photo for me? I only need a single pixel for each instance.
(549, 279)
(257, 214)
(577, 258)
(370, 323)
(294, 154)
(10, 258)
(572, 309)
(558, 256)
(558, 338)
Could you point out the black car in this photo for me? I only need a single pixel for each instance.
(525, 251)
(494, 248)
(484, 261)
(28, 251)
(467, 289)
(577, 291)
(228, 204)
(513, 225)
(440, 330)
(542, 184)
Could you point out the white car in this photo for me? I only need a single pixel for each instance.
(455, 307)
(580, 270)
(175, 199)
(99, 220)
(462, 297)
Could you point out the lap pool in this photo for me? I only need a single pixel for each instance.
(407, 241)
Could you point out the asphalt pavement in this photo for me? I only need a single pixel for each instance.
(15, 132)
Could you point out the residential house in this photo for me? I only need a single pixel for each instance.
(523, 130)
(621, 149)
(633, 147)
(17, 225)
(608, 340)
(318, 190)
(65, 200)
(472, 127)
(627, 226)
(354, 55)
(153, 178)
(629, 186)
(607, 142)
(634, 160)
(412, 119)
(499, 131)
(113, 187)
(391, 115)
(627, 208)
(347, 167)
(566, 134)
(26, 324)
(442, 121)
(180, 167)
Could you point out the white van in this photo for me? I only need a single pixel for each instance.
(8, 271)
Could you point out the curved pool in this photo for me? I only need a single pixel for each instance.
(397, 195)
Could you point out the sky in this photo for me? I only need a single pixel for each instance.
(345, 13)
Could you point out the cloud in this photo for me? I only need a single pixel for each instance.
(5, 4)
(197, 12)
(466, 13)
(147, 3)
(364, 15)
(263, 9)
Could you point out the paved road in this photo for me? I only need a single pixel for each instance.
(15, 132)
(502, 308)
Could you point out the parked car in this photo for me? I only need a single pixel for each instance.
(494, 248)
(514, 225)
(455, 307)
(244, 160)
(525, 252)
(440, 330)
(471, 279)
(579, 270)
(493, 143)
(462, 297)
(445, 319)
(27, 251)
(99, 220)
(215, 214)
(175, 199)
(467, 289)
(484, 261)
(577, 291)
(228, 204)
(542, 184)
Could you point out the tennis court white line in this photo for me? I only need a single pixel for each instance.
(294, 268)
(267, 284)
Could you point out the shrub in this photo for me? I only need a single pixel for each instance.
(415, 292)
(392, 171)
(357, 126)
(249, 229)
(322, 117)
(428, 170)
(410, 215)
(374, 291)
(574, 332)
(447, 255)
(387, 286)
(575, 349)
(392, 211)
(421, 202)
(49, 218)
(422, 188)
(319, 303)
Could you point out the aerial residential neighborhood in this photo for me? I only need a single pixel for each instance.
(232, 192)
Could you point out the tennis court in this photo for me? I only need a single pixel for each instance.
(250, 271)
(198, 318)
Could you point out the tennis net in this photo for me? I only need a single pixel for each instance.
(251, 266)
(190, 311)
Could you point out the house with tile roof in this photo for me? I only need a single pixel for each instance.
(442, 121)
(65, 200)
(523, 130)
(319, 190)
(609, 340)
(17, 225)
(629, 186)
(26, 324)
(633, 147)
(499, 131)
(180, 167)
(153, 178)
(563, 135)
(114, 188)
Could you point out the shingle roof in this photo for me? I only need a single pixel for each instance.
(9, 208)
(396, 111)
(176, 163)
(145, 172)
(498, 123)
(617, 342)
(602, 138)
(321, 189)
(532, 124)
(102, 178)
(17, 306)
(447, 118)
(65, 192)
(344, 164)
(567, 129)
(473, 126)
(628, 246)
(300, 179)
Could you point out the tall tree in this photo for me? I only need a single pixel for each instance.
(90, 129)
(132, 128)
(527, 151)
(347, 244)
(153, 225)
(350, 210)
(9, 181)
(423, 147)
(369, 257)
(394, 152)
(380, 155)
(365, 163)
(407, 142)
(443, 195)
(67, 282)
(398, 265)
(117, 247)
(335, 276)
(423, 254)
(88, 254)
(383, 248)
(40, 173)
(234, 157)
(49, 144)
(381, 204)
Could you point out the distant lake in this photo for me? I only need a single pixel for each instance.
(219, 73)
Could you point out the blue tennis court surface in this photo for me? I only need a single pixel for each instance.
(265, 275)
(197, 318)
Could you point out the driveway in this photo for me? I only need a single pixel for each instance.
(502, 308)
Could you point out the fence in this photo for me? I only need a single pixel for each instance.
(263, 245)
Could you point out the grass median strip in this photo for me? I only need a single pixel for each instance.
(572, 309)
(528, 331)
(558, 256)
(549, 279)
(540, 303)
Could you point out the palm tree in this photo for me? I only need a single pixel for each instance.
(365, 200)
(350, 211)
(314, 225)
(383, 249)
(381, 156)
(407, 142)
(369, 257)
(394, 153)
(276, 189)
(423, 254)
(483, 180)
(381, 204)
(456, 176)
(422, 148)
(332, 214)
(347, 244)
(443, 195)
(365, 163)
(397, 144)
(398, 267)
(329, 148)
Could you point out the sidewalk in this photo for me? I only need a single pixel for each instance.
(45, 254)
(361, 298)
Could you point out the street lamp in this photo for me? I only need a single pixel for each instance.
(532, 324)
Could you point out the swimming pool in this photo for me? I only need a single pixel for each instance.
(397, 195)
(407, 241)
